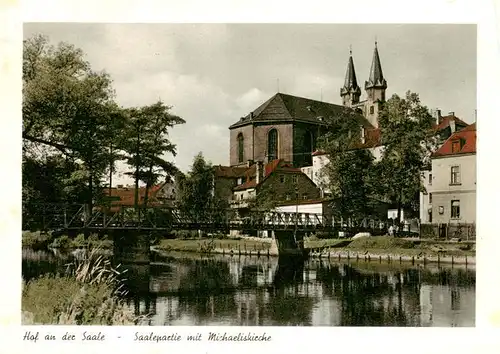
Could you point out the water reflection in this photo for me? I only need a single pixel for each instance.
(194, 290)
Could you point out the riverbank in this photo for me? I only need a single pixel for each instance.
(89, 295)
(389, 249)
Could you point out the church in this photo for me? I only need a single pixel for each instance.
(287, 127)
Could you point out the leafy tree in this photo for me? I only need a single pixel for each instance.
(408, 139)
(196, 192)
(66, 108)
(146, 141)
(348, 173)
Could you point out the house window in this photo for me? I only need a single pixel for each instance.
(455, 146)
(455, 174)
(429, 215)
(272, 145)
(288, 197)
(430, 198)
(282, 178)
(304, 196)
(455, 209)
(294, 178)
(372, 110)
(430, 179)
(240, 148)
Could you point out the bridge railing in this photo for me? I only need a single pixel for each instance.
(77, 216)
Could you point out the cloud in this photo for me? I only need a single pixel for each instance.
(212, 74)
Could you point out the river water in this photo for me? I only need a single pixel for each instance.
(186, 289)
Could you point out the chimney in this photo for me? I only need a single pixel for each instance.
(451, 114)
(437, 115)
(258, 171)
(363, 136)
(452, 126)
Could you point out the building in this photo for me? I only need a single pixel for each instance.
(451, 183)
(287, 127)
(276, 181)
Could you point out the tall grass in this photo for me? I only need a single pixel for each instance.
(90, 294)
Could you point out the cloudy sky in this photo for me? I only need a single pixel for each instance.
(212, 74)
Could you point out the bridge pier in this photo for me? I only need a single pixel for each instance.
(287, 243)
(131, 247)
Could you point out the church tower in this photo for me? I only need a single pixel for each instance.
(350, 92)
(375, 88)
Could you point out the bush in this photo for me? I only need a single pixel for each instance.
(62, 242)
(36, 240)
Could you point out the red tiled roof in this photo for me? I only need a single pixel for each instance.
(249, 184)
(269, 168)
(445, 123)
(230, 171)
(127, 195)
(467, 138)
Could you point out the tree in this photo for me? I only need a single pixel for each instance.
(146, 141)
(348, 173)
(66, 109)
(406, 130)
(196, 196)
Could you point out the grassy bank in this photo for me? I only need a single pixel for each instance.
(379, 245)
(90, 295)
(44, 240)
(384, 245)
(206, 245)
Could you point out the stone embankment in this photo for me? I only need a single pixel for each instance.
(392, 257)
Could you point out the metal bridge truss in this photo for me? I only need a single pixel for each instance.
(76, 217)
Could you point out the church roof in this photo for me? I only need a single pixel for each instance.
(350, 82)
(376, 78)
(286, 108)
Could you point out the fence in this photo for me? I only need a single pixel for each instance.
(464, 232)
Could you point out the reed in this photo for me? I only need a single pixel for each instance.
(90, 294)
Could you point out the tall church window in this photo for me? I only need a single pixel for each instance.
(308, 147)
(240, 147)
(272, 145)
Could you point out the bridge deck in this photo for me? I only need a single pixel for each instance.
(77, 217)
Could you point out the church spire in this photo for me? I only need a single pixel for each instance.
(350, 92)
(376, 79)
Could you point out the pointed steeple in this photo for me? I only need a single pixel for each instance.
(350, 92)
(376, 79)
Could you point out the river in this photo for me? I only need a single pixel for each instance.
(187, 289)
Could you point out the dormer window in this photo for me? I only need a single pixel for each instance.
(455, 146)
(363, 135)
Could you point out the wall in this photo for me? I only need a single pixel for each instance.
(318, 163)
(285, 141)
(443, 192)
(316, 208)
(272, 187)
(247, 132)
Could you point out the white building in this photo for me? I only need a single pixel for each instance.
(451, 186)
